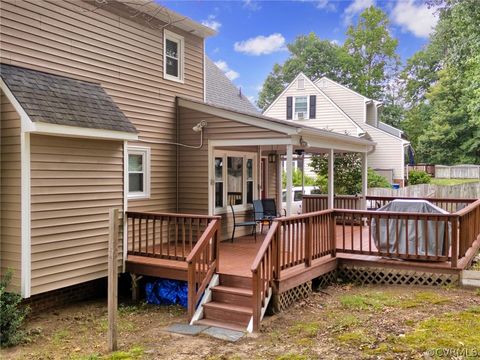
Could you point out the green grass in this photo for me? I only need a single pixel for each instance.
(375, 301)
(424, 298)
(459, 330)
(448, 182)
(308, 329)
(356, 338)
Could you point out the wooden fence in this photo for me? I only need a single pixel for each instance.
(465, 191)
(457, 172)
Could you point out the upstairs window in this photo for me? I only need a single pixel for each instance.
(173, 56)
(301, 108)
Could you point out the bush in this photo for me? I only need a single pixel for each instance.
(12, 314)
(418, 177)
(376, 180)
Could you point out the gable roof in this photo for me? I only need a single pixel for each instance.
(321, 93)
(59, 100)
(348, 89)
(219, 90)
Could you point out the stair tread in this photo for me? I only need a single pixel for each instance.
(228, 307)
(233, 290)
(221, 324)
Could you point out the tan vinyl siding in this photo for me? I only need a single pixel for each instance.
(10, 185)
(388, 153)
(125, 55)
(74, 184)
(327, 115)
(351, 103)
(193, 163)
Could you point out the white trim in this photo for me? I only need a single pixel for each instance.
(145, 152)
(256, 121)
(251, 142)
(80, 132)
(24, 118)
(206, 298)
(25, 199)
(386, 133)
(204, 74)
(289, 185)
(211, 181)
(346, 88)
(125, 203)
(180, 40)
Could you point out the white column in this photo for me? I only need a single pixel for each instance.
(279, 184)
(331, 174)
(289, 178)
(364, 180)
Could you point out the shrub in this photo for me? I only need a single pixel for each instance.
(12, 314)
(376, 180)
(418, 177)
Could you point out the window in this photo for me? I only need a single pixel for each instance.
(234, 179)
(138, 172)
(301, 107)
(173, 57)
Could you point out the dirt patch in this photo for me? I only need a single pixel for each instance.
(341, 322)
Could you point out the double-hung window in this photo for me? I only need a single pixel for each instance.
(138, 168)
(301, 107)
(234, 178)
(173, 59)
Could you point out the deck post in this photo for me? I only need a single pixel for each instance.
(454, 241)
(308, 242)
(289, 178)
(333, 233)
(331, 174)
(113, 279)
(364, 181)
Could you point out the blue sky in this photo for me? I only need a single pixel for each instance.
(252, 34)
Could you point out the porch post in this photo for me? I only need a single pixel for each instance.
(364, 181)
(331, 174)
(289, 178)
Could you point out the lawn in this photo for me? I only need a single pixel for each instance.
(340, 322)
(448, 182)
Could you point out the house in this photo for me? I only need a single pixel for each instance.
(104, 105)
(326, 104)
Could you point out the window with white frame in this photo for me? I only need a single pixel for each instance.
(138, 172)
(173, 56)
(234, 179)
(301, 107)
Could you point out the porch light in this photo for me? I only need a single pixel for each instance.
(272, 157)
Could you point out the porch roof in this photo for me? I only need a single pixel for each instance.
(315, 137)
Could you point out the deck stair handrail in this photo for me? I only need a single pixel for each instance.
(469, 226)
(203, 262)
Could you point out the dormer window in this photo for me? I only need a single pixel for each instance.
(173, 56)
(301, 108)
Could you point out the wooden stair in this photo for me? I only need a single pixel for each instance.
(231, 304)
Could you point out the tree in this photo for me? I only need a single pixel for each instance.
(272, 87)
(373, 52)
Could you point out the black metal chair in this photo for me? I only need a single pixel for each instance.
(236, 224)
(270, 209)
(259, 215)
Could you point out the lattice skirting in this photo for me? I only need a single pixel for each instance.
(325, 280)
(283, 301)
(367, 275)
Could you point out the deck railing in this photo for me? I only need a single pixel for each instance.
(451, 205)
(164, 235)
(410, 236)
(469, 225)
(312, 203)
(202, 262)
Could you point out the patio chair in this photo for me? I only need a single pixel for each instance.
(236, 224)
(270, 209)
(259, 215)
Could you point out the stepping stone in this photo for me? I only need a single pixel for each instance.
(186, 329)
(224, 334)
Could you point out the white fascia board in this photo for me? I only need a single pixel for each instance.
(80, 132)
(234, 116)
(251, 142)
(321, 143)
(344, 87)
(26, 122)
(386, 133)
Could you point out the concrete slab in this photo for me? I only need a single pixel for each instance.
(224, 334)
(186, 329)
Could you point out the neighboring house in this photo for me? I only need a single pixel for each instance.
(326, 104)
(103, 105)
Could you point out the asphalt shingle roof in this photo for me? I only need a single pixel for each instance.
(61, 100)
(220, 91)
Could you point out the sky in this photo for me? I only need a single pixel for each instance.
(252, 35)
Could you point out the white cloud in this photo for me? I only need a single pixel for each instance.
(212, 23)
(261, 45)
(335, 42)
(326, 5)
(251, 5)
(229, 73)
(355, 8)
(414, 17)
